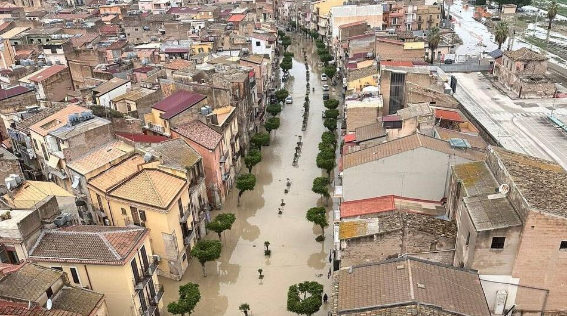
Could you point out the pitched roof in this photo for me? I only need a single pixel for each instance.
(178, 102)
(406, 280)
(175, 153)
(524, 54)
(541, 182)
(368, 132)
(56, 120)
(77, 300)
(199, 133)
(367, 206)
(101, 156)
(473, 139)
(85, 38)
(142, 138)
(88, 244)
(177, 64)
(448, 115)
(32, 192)
(13, 91)
(404, 144)
(120, 172)
(134, 95)
(488, 213)
(21, 309)
(29, 282)
(159, 187)
(236, 18)
(47, 73)
(109, 85)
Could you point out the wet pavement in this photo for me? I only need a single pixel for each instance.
(296, 256)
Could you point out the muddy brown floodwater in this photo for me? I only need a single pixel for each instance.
(296, 256)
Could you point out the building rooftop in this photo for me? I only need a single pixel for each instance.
(14, 31)
(541, 182)
(474, 140)
(476, 178)
(368, 132)
(177, 102)
(489, 213)
(66, 132)
(55, 120)
(46, 73)
(109, 85)
(524, 54)
(142, 138)
(88, 244)
(12, 92)
(29, 282)
(407, 143)
(199, 133)
(367, 206)
(391, 283)
(21, 309)
(177, 64)
(134, 95)
(77, 300)
(107, 154)
(31, 192)
(175, 153)
(116, 174)
(159, 187)
(236, 18)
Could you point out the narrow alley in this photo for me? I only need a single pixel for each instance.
(296, 256)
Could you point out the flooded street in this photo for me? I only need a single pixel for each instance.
(296, 256)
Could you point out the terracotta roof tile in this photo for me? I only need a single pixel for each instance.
(175, 153)
(88, 244)
(56, 120)
(367, 206)
(200, 133)
(93, 160)
(524, 54)
(113, 176)
(47, 72)
(29, 282)
(21, 309)
(159, 188)
(77, 300)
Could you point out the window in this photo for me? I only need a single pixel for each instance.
(99, 201)
(184, 257)
(180, 205)
(49, 292)
(75, 275)
(123, 210)
(258, 43)
(468, 238)
(563, 245)
(498, 242)
(142, 215)
(57, 268)
(35, 144)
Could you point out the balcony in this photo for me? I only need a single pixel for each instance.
(156, 128)
(154, 301)
(152, 267)
(183, 217)
(150, 311)
(187, 240)
(140, 282)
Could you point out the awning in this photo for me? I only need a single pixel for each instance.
(53, 161)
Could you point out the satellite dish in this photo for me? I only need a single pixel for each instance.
(504, 189)
(49, 304)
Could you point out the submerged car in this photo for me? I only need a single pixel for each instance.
(289, 100)
(324, 77)
(325, 87)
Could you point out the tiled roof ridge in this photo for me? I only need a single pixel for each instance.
(121, 182)
(161, 201)
(406, 257)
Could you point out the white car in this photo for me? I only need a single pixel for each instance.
(325, 87)
(289, 100)
(324, 77)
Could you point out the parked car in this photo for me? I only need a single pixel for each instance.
(325, 87)
(324, 77)
(325, 96)
(289, 100)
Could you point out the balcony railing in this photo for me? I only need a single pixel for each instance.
(150, 311)
(156, 128)
(140, 282)
(151, 269)
(185, 215)
(155, 300)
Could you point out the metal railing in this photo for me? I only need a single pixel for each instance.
(152, 267)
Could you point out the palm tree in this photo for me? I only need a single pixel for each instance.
(551, 13)
(501, 33)
(244, 308)
(433, 39)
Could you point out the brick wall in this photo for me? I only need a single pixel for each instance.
(85, 142)
(396, 52)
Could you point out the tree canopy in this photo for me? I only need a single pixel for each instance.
(281, 94)
(286, 41)
(329, 137)
(253, 158)
(501, 33)
(305, 298)
(221, 223)
(272, 123)
(318, 216)
(331, 104)
(321, 186)
(189, 296)
(332, 113)
(206, 250)
(330, 124)
(330, 71)
(433, 39)
(260, 139)
(245, 182)
(274, 109)
(326, 160)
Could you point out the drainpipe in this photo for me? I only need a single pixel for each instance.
(88, 277)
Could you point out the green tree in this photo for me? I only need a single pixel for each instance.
(260, 139)
(189, 296)
(286, 66)
(245, 308)
(319, 44)
(326, 160)
(286, 41)
(274, 109)
(551, 13)
(329, 137)
(330, 71)
(501, 33)
(322, 51)
(245, 182)
(281, 94)
(288, 55)
(433, 39)
(331, 104)
(206, 250)
(305, 298)
(333, 113)
(321, 186)
(253, 158)
(272, 123)
(324, 146)
(325, 58)
(221, 223)
(330, 124)
(318, 216)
